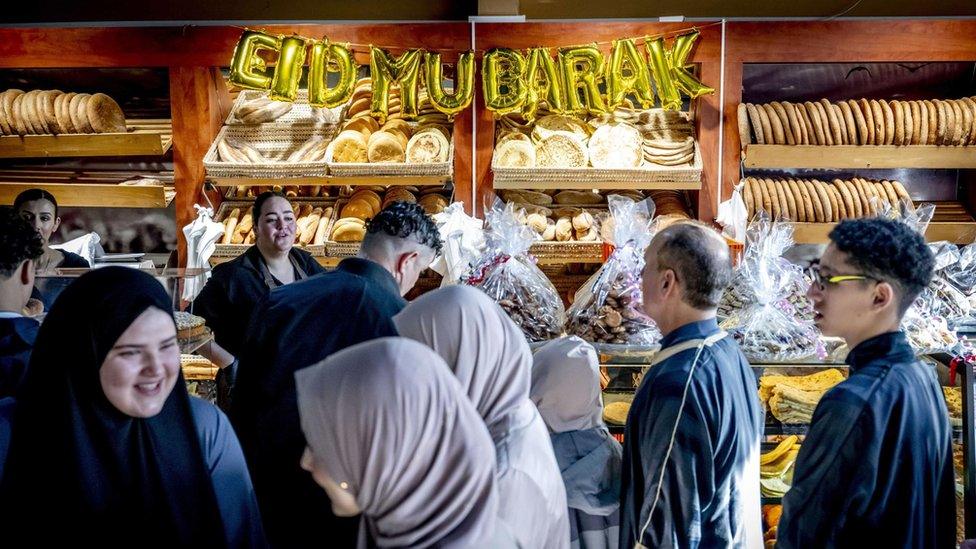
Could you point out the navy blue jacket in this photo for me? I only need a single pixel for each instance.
(705, 482)
(875, 469)
(296, 326)
(16, 341)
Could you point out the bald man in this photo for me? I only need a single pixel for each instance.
(691, 448)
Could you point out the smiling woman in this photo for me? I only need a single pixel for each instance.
(105, 435)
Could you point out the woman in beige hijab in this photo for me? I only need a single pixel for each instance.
(391, 437)
(491, 359)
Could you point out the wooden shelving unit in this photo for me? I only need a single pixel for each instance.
(585, 185)
(94, 195)
(951, 222)
(143, 138)
(858, 156)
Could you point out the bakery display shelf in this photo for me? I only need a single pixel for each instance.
(313, 180)
(144, 138)
(859, 156)
(952, 222)
(191, 346)
(94, 195)
(774, 427)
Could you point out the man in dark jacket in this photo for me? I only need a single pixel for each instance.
(20, 245)
(691, 448)
(875, 469)
(299, 325)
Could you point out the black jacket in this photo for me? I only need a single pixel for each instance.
(16, 341)
(234, 289)
(297, 326)
(875, 469)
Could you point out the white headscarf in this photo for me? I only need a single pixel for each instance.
(484, 348)
(388, 418)
(566, 385)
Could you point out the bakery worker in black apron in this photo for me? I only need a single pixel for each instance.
(235, 287)
(691, 446)
(876, 467)
(39, 208)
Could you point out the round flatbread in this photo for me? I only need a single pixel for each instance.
(868, 113)
(349, 146)
(427, 147)
(849, 122)
(818, 128)
(767, 127)
(889, 120)
(754, 197)
(824, 123)
(862, 195)
(960, 127)
(873, 197)
(835, 125)
(795, 124)
(104, 114)
(880, 129)
(19, 125)
(779, 136)
(616, 145)
(967, 122)
(79, 115)
(25, 110)
(899, 118)
(561, 150)
(6, 102)
(784, 120)
(847, 210)
(831, 200)
(890, 192)
(47, 107)
(764, 203)
(923, 124)
(861, 130)
(941, 125)
(901, 191)
(811, 134)
(882, 195)
(906, 108)
(933, 111)
(818, 207)
(756, 122)
(825, 202)
(916, 111)
(37, 118)
(774, 210)
(790, 200)
(854, 207)
(62, 113)
(742, 117)
(841, 208)
(784, 204)
(804, 194)
(971, 105)
(515, 154)
(950, 123)
(385, 147)
(747, 197)
(799, 212)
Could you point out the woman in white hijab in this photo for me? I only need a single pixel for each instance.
(566, 389)
(491, 359)
(391, 436)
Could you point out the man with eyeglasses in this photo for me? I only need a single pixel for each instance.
(875, 469)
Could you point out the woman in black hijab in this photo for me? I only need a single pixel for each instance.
(105, 444)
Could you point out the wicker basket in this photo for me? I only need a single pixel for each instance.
(274, 143)
(379, 169)
(649, 174)
(223, 252)
(301, 113)
(568, 252)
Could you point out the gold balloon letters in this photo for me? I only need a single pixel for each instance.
(450, 103)
(385, 70)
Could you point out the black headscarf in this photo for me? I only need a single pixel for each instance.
(80, 470)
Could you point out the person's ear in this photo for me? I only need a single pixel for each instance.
(668, 282)
(27, 272)
(406, 260)
(884, 295)
(57, 224)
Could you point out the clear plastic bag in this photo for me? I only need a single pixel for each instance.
(608, 308)
(510, 276)
(775, 323)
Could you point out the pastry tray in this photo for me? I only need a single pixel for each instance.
(225, 251)
(301, 113)
(274, 142)
(647, 174)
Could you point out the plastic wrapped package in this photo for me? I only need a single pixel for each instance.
(464, 242)
(608, 309)
(771, 326)
(509, 275)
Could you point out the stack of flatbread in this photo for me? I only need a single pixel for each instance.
(814, 201)
(859, 122)
(40, 112)
(560, 142)
(792, 399)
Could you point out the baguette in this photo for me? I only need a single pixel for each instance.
(309, 231)
(230, 224)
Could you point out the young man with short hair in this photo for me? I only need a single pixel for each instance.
(876, 468)
(20, 246)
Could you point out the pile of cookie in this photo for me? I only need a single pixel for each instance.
(362, 139)
(312, 221)
(859, 122)
(814, 201)
(53, 112)
(611, 313)
(629, 140)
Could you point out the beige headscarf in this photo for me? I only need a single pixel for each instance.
(388, 418)
(484, 348)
